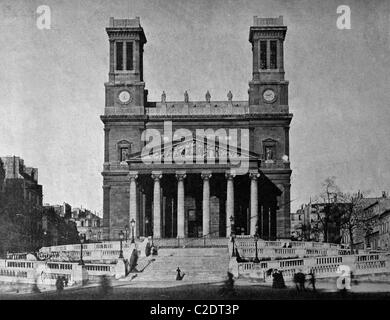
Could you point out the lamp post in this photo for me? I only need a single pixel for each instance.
(256, 239)
(232, 235)
(121, 239)
(147, 226)
(44, 238)
(132, 223)
(81, 249)
(126, 231)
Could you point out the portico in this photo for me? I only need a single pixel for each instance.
(191, 201)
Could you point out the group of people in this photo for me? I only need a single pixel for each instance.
(300, 279)
(61, 282)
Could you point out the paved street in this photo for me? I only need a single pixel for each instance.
(244, 290)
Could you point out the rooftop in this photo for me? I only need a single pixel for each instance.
(260, 22)
(125, 23)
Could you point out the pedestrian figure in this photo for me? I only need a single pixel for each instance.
(179, 275)
(105, 285)
(228, 287)
(278, 280)
(59, 284)
(133, 261)
(65, 281)
(299, 280)
(35, 288)
(312, 280)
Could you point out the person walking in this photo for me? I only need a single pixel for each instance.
(179, 275)
(312, 280)
(59, 284)
(299, 280)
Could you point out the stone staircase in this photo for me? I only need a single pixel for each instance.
(198, 264)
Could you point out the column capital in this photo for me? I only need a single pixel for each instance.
(230, 174)
(206, 175)
(133, 175)
(254, 175)
(180, 175)
(156, 175)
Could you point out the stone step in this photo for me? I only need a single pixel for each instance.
(198, 264)
(193, 252)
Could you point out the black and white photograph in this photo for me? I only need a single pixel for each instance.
(208, 150)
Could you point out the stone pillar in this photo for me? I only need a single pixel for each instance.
(133, 175)
(229, 201)
(106, 212)
(180, 203)
(106, 145)
(156, 175)
(254, 202)
(206, 203)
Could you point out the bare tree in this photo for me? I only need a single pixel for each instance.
(353, 217)
(327, 207)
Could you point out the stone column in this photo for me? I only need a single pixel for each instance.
(254, 202)
(156, 175)
(229, 201)
(180, 203)
(133, 175)
(206, 203)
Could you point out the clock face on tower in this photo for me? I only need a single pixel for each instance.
(124, 97)
(269, 95)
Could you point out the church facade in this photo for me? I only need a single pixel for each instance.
(191, 169)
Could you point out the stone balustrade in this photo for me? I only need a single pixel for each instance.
(323, 267)
(46, 273)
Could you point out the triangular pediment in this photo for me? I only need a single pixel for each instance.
(195, 148)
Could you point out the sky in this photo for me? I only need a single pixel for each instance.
(52, 84)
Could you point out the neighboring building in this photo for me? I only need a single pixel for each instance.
(20, 182)
(198, 192)
(373, 232)
(20, 205)
(297, 225)
(57, 227)
(63, 210)
(26, 224)
(88, 224)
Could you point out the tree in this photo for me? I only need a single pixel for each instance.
(353, 217)
(327, 208)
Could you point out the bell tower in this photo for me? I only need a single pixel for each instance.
(125, 89)
(268, 90)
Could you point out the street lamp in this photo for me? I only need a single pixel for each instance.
(126, 231)
(121, 239)
(256, 239)
(147, 226)
(132, 223)
(232, 235)
(81, 249)
(231, 225)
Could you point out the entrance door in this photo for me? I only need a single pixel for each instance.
(193, 226)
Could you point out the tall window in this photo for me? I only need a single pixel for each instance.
(119, 56)
(269, 152)
(263, 54)
(273, 54)
(129, 56)
(124, 153)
